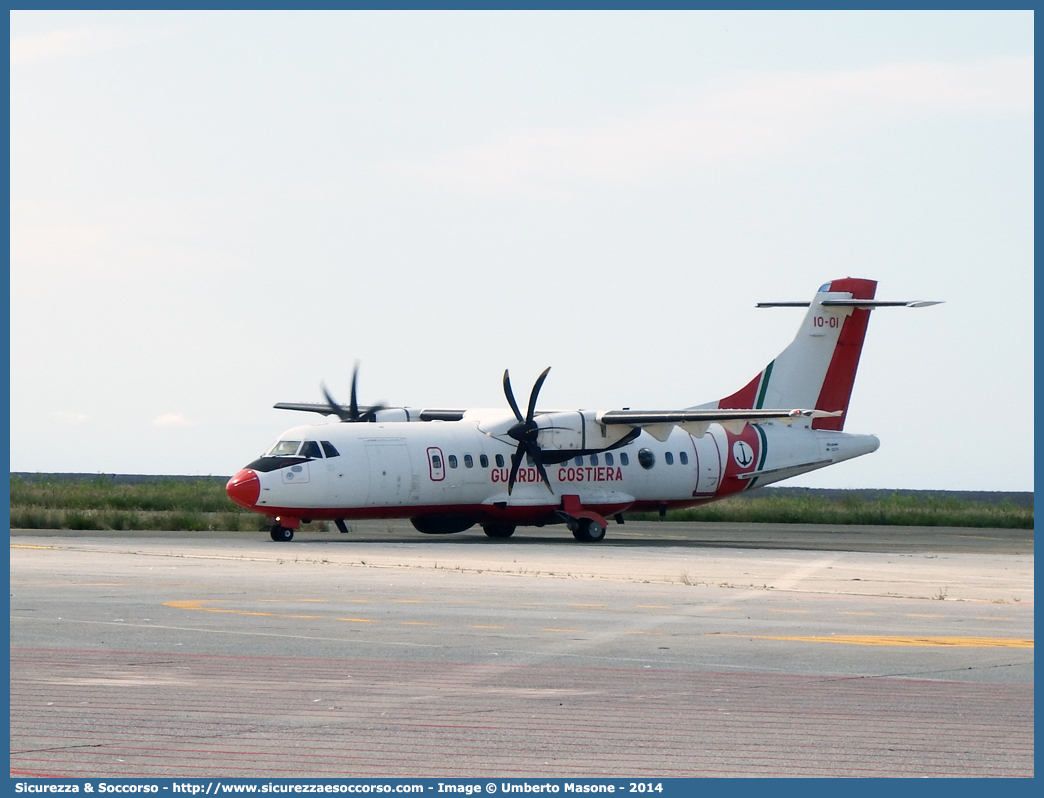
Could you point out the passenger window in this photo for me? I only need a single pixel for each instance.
(468, 462)
(500, 461)
(452, 460)
(609, 458)
(329, 449)
(311, 449)
(668, 457)
(579, 461)
(594, 459)
(624, 459)
(684, 458)
(646, 459)
(483, 461)
(436, 462)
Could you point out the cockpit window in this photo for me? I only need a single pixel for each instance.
(329, 449)
(311, 449)
(284, 449)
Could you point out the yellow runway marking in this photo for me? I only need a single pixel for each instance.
(22, 546)
(489, 627)
(868, 640)
(198, 605)
(358, 620)
(292, 601)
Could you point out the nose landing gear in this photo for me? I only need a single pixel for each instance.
(282, 534)
(283, 528)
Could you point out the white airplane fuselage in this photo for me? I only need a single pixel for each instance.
(417, 469)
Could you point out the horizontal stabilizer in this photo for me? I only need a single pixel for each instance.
(867, 304)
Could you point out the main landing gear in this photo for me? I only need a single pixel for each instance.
(587, 526)
(498, 530)
(589, 530)
(282, 534)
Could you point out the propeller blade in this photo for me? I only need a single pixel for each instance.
(372, 411)
(334, 407)
(510, 396)
(526, 432)
(352, 413)
(516, 461)
(535, 392)
(353, 407)
(537, 461)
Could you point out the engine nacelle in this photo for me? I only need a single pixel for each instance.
(577, 431)
(561, 433)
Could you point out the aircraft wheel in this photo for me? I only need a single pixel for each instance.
(281, 534)
(498, 530)
(589, 531)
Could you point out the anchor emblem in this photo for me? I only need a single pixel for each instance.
(742, 453)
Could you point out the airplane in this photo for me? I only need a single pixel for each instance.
(449, 469)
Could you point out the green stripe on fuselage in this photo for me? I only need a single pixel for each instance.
(763, 388)
(763, 454)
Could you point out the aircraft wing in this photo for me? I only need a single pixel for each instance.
(406, 414)
(317, 407)
(659, 423)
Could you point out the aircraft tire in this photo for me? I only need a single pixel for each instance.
(589, 531)
(281, 534)
(498, 530)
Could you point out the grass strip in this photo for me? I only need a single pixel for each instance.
(894, 510)
(101, 493)
(99, 503)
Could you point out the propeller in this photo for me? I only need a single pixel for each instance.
(352, 414)
(526, 431)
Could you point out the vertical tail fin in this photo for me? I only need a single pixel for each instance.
(818, 369)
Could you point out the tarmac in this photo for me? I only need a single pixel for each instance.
(667, 650)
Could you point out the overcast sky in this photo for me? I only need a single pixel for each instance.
(211, 212)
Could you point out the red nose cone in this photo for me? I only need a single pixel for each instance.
(244, 488)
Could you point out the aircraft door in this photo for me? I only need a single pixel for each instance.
(390, 473)
(436, 464)
(708, 465)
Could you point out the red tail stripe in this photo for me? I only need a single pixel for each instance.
(840, 376)
(743, 399)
